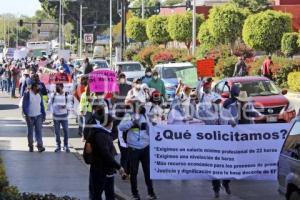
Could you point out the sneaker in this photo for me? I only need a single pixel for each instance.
(67, 150)
(58, 149)
(136, 197)
(30, 149)
(151, 196)
(227, 190)
(41, 149)
(217, 194)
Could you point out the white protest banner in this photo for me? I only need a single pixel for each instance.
(185, 152)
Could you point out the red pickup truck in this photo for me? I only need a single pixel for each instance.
(269, 101)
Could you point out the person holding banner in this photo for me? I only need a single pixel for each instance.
(219, 116)
(60, 104)
(138, 142)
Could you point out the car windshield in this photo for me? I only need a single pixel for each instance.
(170, 72)
(292, 142)
(130, 67)
(259, 88)
(100, 64)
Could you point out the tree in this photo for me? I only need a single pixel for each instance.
(172, 2)
(263, 31)
(255, 6)
(68, 32)
(206, 39)
(147, 3)
(226, 23)
(289, 44)
(180, 27)
(156, 29)
(136, 29)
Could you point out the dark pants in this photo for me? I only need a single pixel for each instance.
(99, 182)
(125, 161)
(217, 184)
(137, 156)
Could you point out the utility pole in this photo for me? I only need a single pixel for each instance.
(123, 8)
(80, 31)
(17, 36)
(194, 28)
(59, 32)
(143, 9)
(110, 33)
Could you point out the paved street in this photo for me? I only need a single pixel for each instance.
(66, 174)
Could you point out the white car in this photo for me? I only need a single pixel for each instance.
(131, 69)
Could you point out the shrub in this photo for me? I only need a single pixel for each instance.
(281, 77)
(294, 81)
(289, 44)
(145, 54)
(225, 66)
(162, 56)
(136, 29)
(131, 52)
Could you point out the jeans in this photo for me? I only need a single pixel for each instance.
(13, 87)
(65, 126)
(217, 184)
(4, 85)
(99, 182)
(124, 160)
(8, 85)
(36, 123)
(137, 156)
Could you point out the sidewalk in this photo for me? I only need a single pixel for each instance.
(48, 172)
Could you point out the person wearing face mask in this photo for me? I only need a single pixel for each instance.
(148, 76)
(102, 150)
(60, 103)
(157, 84)
(205, 99)
(136, 125)
(124, 88)
(34, 112)
(180, 110)
(136, 93)
(218, 115)
(156, 113)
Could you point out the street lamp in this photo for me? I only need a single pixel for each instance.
(110, 33)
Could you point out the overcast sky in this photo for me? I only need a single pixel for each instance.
(19, 7)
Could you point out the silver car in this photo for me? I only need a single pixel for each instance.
(289, 164)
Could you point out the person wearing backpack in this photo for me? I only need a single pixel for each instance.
(99, 152)
(60, 104)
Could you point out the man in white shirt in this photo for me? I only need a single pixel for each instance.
(60, 103)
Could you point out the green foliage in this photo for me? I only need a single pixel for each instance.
(263, 31)
(180, 27)
(138, 4)
(289, 44)
(254, 6)
(207, 41)
(226, 23)
(172, 2)
(136, 29)
(157, 29)
(281, 76)
(130, 53)
(294, 81)
(225, 66)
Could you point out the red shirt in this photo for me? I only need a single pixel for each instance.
(266, 67)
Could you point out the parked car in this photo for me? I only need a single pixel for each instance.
(168, 75)
(100, 64)
(269, 101)
(289, 164)
(131, 69)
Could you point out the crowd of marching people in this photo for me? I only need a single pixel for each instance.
(125, 115)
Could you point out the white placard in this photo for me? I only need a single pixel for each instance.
(185, 152)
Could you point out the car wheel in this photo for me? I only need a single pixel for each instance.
(295, 195)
